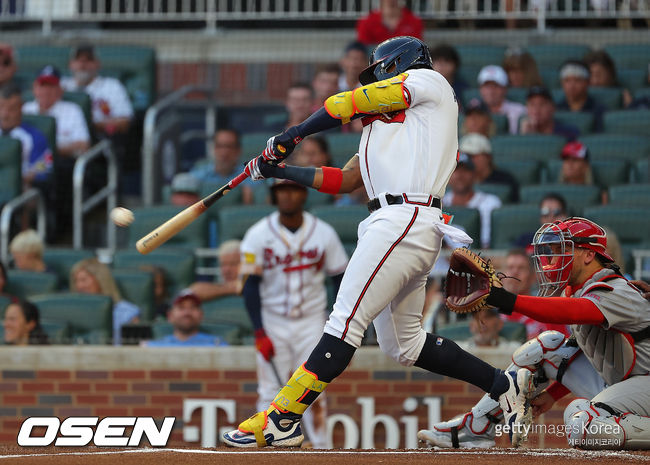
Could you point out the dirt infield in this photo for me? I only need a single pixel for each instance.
(95, 456)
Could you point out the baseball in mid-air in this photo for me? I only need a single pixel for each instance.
(122, 216)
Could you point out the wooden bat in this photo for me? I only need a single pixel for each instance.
(177, 223)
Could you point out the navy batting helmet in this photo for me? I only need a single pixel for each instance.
(394, 56)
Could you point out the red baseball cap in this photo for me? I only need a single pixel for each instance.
(49, 75)
(187, 293)
(576, 150)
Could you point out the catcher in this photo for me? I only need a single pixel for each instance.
(605, 364)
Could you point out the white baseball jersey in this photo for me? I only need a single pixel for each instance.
(70, 121)
(413, 150)
(293, 263)
(108, 95)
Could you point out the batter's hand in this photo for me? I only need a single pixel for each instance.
(264, 345)
(258, 169)
(280, 147)
(542, 403)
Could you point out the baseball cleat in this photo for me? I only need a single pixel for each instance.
(461, 432)
(273, 428)
(515, 402)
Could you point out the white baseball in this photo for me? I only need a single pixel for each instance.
(122, 216)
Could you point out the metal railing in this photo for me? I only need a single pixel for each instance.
(210, 12)
(7, 214)
(108, 192)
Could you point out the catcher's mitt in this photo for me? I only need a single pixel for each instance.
(469, 281)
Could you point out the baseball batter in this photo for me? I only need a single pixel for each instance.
(286, 256)
(606, 363)
(406, 155)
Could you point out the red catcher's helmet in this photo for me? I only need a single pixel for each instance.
(554, 244)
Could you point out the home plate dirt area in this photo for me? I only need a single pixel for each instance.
(97, 456)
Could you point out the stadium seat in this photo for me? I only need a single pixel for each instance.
(253, 144)
(26, 284)
(4, 301)
(517, 94)
(88, 316)
(632, 79)
(316, 199)
(510, 222)
(479, 55)
(634, 122)
(550, 79)
(344, 219)
(257, 118)
(11, 181)
(631, 224)
(610, 97)
(584, 121)
(642, 171)
(149, 218)
(577, 196)
(500, 190)
(177, 263)
(228, 333)
(511, 331)
(610, 172)
(551, 56)
(524, 171)
(137, 287)
(343, 146)
(45, 124)
(57, 332)
(31, 59)
(469, 74)
(629, 56)
(62, 260)
(621, 146)
(228, 310)
(235, 221)
(527, 147)
(468, 219)
(630, 195)
(642, 93)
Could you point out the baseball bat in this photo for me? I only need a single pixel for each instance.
(177, 223)
(276, 373)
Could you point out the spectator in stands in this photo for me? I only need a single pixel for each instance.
(552, 208)
(90, 276)
(36, 155)
(7, 64)
(22, 324)
(112, 111)
(493, 85)
(391, 20)
(485, 327)
(185, 317)
(575, 164)
(540, 117)
(462, 194)
(480, 149)
(227, 150)
(72, 136)
(521, 279)
(185, 190)
(26, 249)
(574, 76)
(521, 68)
(602, 73)
(160, 293)
(299, 103)
(313, 151)
(325, 83)
(477, 119)
(447, 61)
(229, 280)
(353, 61)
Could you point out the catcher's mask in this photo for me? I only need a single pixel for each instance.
(554, 244)
(393, 57)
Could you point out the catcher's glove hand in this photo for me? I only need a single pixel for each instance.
(470, 280)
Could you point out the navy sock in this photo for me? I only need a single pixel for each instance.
(330, 358)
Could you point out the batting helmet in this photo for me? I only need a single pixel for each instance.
(554, 244)
(394, 56)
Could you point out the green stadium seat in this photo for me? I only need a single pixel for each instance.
(228, 333)
(500, 190)
(45, 124)
(4, 302)
(149, 218)
(26, 284)
(610, 97)
(316, 199)
(577, 196)
(629, 56)
(470, 94)
(61, 261)
(551, 56)
(524, 171)
(631, 224)
(527, 147)
(642, 171)
(88, 316)
(343, 146)
(468, 219)
(11, 180)
(57, 332)
(235, 221)
(633, 122)
(550, 78)
(642, 93)
(460, 331)
(344, 219)
(584, 121)
(31, 59)
(513, 331)
(137, 287)
(610, 172)
(479, 55)
(510, 222)
(632, 79)
(517, 94)
(228, 310)
(630, 195)
(469, 74)
(253, 144)
(621, 146)
(177, 263)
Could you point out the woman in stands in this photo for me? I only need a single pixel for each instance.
(90, 276)
(22, 324)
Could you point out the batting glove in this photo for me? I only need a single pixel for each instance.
(280, 147)
(258, 169)
(263, 344)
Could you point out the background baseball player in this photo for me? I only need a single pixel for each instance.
(407, 153)
(607, 362)
(286, 256)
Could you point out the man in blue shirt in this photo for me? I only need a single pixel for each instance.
(185, 316)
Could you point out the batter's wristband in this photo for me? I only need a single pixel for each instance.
(332, 180)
